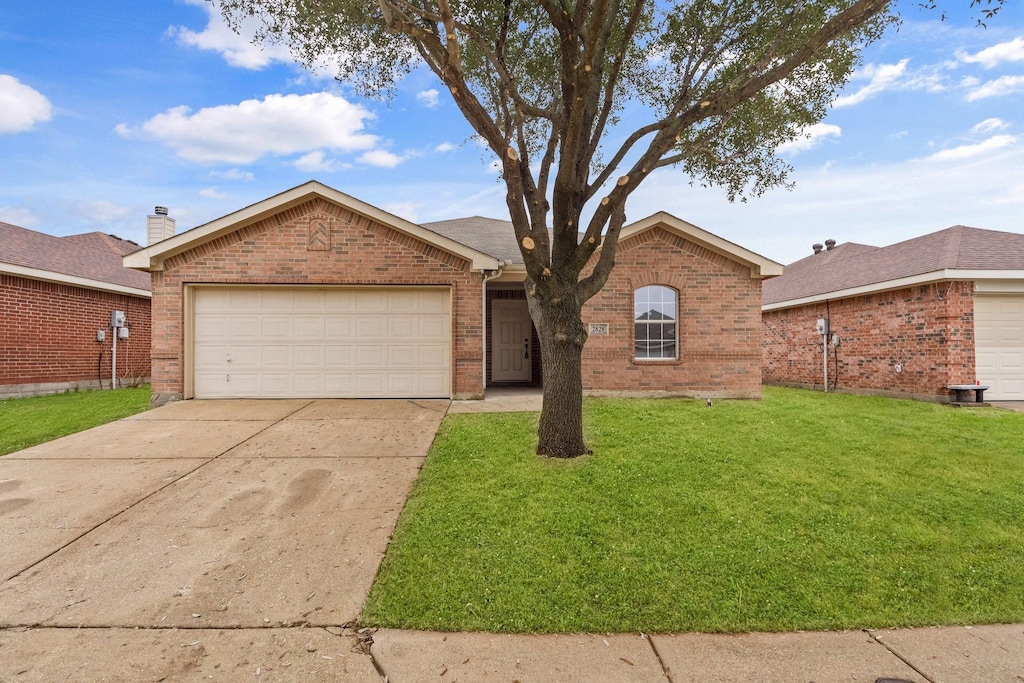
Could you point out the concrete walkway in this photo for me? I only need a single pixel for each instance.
(237, 540)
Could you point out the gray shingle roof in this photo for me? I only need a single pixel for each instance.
(94, 256)
(489, 235)
(856, 265)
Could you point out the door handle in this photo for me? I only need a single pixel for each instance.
(526, 348)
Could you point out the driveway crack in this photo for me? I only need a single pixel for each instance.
(899, 656)
(664, 669)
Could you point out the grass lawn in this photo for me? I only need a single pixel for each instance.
(26, 422)
(802, 511)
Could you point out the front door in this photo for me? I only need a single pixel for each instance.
(511, 332)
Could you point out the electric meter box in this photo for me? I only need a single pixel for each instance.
(122, 333)
(821, 327)
(117, 318)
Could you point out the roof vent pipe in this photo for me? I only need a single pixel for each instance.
(817, 248)
(829, 245)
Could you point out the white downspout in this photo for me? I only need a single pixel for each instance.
(483, 318)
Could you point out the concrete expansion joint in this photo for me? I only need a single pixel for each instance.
(661, 662)
(898, 656)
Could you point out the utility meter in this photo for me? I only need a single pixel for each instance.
(122, 333)
(821, 327)
(117, 318)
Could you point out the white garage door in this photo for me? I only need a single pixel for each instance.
(999, 345)
(280, 342)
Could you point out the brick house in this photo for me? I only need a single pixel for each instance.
(56, 293)
(911, 318)
(313, 293)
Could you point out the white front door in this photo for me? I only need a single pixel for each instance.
(511, 332)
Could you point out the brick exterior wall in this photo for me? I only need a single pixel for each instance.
(719, 323)
(48, 337)
(280, 250)
(909, 342)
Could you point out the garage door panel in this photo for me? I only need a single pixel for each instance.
(339, 328)
(321, 342)
(244, 327)
(276, 356)
(339, 356)
(999, 345)
(309, 327)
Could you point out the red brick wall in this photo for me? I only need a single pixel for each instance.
(719, 323)
(48, 334)
(273, 251)
(909, 342)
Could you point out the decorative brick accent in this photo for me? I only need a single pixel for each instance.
(274, 251)
(910, 342)
(49, 336)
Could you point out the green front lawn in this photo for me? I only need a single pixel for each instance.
(26, 422)
(802, 511)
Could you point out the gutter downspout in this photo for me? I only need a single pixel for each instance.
(488, 276)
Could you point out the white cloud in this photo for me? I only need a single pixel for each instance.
(890, 77)
(233, 174)
(990, 57)
(971, 151)
(428, 98)
(810, 138)
(1004, 85)
(212, 193)
(100, 210)
(989, 125)
(236, 48)
(315, 162)
(277, 124)
(381, 158)
(21, 216)
(406, 210)
(21, 106)
(444, 147)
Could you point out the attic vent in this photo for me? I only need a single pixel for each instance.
(829, 244)
(817, 248)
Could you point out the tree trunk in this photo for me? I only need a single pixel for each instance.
(562, 336)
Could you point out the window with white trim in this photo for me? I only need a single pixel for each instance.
(655, 318)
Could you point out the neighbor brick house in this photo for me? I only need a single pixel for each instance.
(313, 293)
(911, 318)
(55, 294)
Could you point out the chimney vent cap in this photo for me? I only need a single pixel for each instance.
(160, 210)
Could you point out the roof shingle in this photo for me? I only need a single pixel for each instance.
(852, 265)
(94, 255)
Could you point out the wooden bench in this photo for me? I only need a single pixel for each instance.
(962, 389)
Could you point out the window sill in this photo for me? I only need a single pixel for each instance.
(657, 361)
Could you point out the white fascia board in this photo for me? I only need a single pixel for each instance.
(902, 283)
(760, 267)
(152, 257)
(73, 280)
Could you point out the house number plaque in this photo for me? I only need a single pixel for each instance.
(598, 329)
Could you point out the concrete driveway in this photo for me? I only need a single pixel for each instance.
(230, 527)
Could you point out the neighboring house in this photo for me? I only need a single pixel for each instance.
(312, 293)
(55, 294)
(911, 318)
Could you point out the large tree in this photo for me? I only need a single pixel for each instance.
(721, 84)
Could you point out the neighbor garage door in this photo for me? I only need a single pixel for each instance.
(999, 344)
(286, 342)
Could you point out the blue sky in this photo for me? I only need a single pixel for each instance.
(107, 109)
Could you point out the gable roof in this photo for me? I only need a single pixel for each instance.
(852, 269)
(490, 235)
(91, 260)
(152, 257)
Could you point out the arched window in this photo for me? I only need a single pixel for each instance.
(655, 317)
